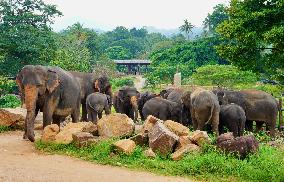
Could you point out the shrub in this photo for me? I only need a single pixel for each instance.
(9, 101)
(120, 82)
(7, 86)
(222, 75)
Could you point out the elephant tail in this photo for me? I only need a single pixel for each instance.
(211, 112)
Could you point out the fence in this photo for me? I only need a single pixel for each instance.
(281, 127)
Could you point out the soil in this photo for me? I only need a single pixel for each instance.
(21, 162)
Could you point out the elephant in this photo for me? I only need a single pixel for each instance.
(259, 106)
(90, 83)
(51, 90)
(95, 104)
(204, 108)
(165, 92)
(125, 102)
(144, 97)
(162, 109)
(176, 96)
(233, 117)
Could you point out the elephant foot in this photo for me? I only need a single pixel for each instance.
(25, 137)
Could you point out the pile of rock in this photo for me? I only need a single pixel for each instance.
(164, 138)
(86, 133)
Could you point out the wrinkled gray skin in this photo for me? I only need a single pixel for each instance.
(162, 109)
(51, 90)
(91, 83)
(259, 106)
(204, 109)
(144, 97)
(125, 102)
(233, 117)
(176, 96)
(165, 92)
(96, 103)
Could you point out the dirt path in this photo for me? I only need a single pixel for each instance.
(139, 82)
(20, 162)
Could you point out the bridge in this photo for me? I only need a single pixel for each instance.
(133, 66)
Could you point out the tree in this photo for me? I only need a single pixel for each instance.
(25, 34)
(213, 20)
(118, 52)
(254, 36)
(186, 27)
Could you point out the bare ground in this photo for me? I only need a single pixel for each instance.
(20, 162)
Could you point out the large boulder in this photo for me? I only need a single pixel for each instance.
(177, 128)
(65, 135)
(161, 139)
(91, 128)
(126, 146)
(200, 137)
(183, 141)
(178, 154)
(149, 123)
(149, 153)
(49, 133)
(241, 146)
(82, 139)
(141, 139)
(8, 118)
(115, 125)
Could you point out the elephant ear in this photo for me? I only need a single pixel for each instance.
(52, 81)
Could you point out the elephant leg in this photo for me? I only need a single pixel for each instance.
(272, 127)
(194, 121)
(48, 110)
(25, 133)
(94, 117)
(100, 115)
(107, 110)
(249, 125)
(200, 125)
(84, 111)
(258, 126)
(56, 120)
(75, 115)
(215, 122)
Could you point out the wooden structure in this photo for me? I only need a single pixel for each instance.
(133, 66)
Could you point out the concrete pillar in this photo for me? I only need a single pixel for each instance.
(177, 80)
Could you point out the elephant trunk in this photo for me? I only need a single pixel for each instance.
(30, 102)
(134, 105)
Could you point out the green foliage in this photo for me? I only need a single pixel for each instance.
(120, 82)
(9, 101)
(118, 52)
(222, 75)
(7, 86)
(253, 36)
(105, 66)
(211, 165)
(25, 34)
(184, 58)
(186, 27)
(5, 128)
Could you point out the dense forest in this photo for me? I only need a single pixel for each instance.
(247, 34)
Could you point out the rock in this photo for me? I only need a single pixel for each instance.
(200, 137)
(141, 139)
(149, 123)
(161, 139)
(126, 146)
(183, 141)
(138, 129)
(91, 128)
(38, 127)
(178, 155)
(65, 135)
(8, 118)
(49, 133)
(225, 137)
(149, 153)
(23, 113)
(241, 146)
(81, 139)
(115, 125)
(177, 128)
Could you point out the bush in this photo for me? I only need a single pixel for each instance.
(120, 82)
(222, 75)
(9, 101)
(7, 86)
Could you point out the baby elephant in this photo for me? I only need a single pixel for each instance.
(233, 117)
(95, 104)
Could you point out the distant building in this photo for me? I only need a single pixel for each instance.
(133, 66)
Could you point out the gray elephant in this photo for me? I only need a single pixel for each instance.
(204, 109)
(91, 83)
(233, 117)
(96, 103)
(176, 96)
(143, 98)
(51, 90)
(125, 102)
(259, 106)
(162, 109)
(165, 92)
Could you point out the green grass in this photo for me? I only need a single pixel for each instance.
(210, 164)
(5, 128)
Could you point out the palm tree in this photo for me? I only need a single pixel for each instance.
(186, 27)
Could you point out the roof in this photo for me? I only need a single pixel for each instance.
(132, 61)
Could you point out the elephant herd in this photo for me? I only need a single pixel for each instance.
(59, 93)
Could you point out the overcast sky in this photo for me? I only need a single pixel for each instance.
(107, 14)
